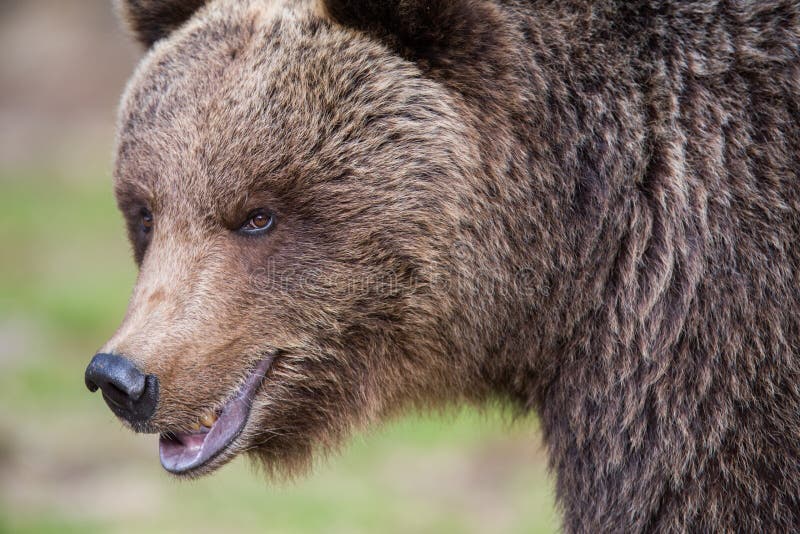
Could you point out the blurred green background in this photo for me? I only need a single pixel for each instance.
(65, 273)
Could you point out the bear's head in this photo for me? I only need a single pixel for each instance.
(302, 190)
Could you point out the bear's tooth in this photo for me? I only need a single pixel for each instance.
(195, 426)
(208, 419)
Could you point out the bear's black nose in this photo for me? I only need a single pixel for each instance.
(129, 393)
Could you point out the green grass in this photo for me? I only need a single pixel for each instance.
(67, 465)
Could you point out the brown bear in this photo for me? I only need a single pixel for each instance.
(590, 209)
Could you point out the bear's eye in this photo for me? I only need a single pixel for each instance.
(258, 222)
(146, 220)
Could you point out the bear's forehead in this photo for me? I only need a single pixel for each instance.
(242, 99)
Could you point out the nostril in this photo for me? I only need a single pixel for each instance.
(127, 390)
(91, 385)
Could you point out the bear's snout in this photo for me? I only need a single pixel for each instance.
(129, 393)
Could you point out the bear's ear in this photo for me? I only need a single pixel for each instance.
(150, 20)
(418, 29)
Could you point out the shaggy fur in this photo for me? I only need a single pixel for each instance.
(588, 209)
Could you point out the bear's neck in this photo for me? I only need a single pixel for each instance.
(648, 320)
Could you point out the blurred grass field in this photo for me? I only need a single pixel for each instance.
(66, 464)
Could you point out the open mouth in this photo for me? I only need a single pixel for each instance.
(181, 452)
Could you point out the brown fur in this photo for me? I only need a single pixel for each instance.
(589, 209)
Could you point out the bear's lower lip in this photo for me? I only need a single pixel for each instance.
(181, 452)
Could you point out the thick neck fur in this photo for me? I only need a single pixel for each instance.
(648, 158)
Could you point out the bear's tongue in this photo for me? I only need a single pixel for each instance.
(183, 451)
